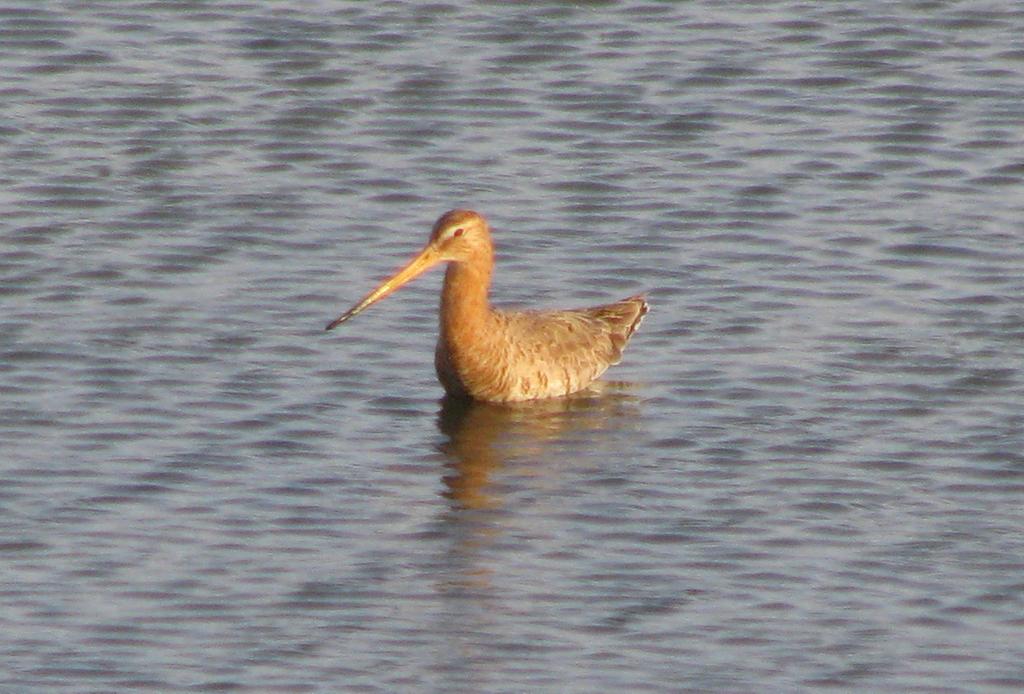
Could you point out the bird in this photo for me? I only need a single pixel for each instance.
(504, 356)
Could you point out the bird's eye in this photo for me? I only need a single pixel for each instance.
(458, 232)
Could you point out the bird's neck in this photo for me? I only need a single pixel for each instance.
(465, 307)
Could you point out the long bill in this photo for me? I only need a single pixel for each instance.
(428, 258)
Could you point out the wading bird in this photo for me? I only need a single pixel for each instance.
(493, 355)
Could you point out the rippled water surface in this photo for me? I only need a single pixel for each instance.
(807, 474)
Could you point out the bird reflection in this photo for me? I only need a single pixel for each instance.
(496, 451)
(482, 438)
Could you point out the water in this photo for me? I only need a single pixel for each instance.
(805, 475)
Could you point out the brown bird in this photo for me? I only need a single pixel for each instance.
(504, 356)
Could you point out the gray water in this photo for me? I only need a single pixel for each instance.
(807, 473)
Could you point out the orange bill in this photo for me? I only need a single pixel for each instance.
(428, 258)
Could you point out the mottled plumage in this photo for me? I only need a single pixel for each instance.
(504, 356)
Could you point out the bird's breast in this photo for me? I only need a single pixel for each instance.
(513, 358)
